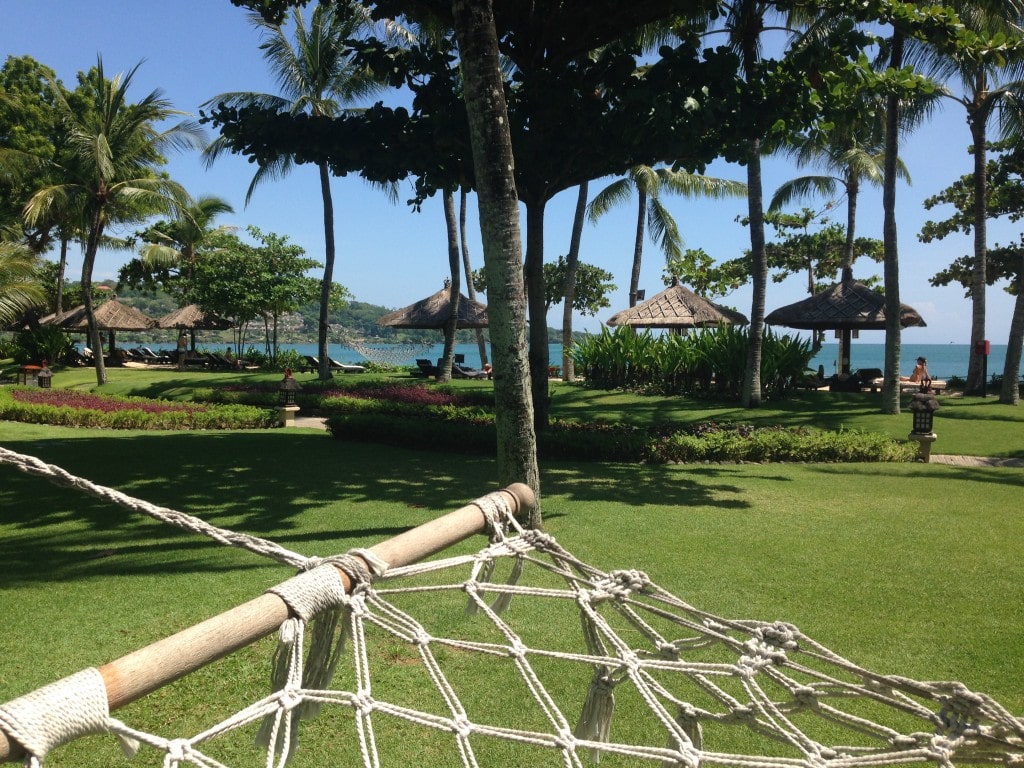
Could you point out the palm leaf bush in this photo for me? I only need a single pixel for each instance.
(707, 362)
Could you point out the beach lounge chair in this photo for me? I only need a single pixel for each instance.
(345, 367)
(426, 368)
(310, 364)
(458, 372)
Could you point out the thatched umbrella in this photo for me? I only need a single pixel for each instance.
(110, 316)
(193, 318)
(677, 308)
(435, 311)
(845, 307)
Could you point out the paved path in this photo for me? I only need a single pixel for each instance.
(313, 422)
(975, 461)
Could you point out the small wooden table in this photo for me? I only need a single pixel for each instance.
(27, 371)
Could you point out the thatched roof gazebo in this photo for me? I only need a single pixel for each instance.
(435, 311)
(110, 316)
(677, 308)
(193, 318)
(845, 307)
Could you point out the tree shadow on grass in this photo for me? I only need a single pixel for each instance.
(301, 489)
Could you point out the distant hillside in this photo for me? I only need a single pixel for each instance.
(356, 320)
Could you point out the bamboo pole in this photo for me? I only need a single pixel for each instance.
(143, 671)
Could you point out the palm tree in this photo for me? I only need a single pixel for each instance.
(316, 76)
(178, 241)
(19, 285)
(114, 148)
(652, 215)
(978, 71)
(853, 160)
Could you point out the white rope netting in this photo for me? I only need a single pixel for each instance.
(389, 354)
(522, 654)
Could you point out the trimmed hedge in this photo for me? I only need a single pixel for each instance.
(468, 430)
(70, 408)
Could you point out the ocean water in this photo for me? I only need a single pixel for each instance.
(944, 360)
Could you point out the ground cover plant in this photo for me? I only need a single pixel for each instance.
(904, 568)
(83, 409)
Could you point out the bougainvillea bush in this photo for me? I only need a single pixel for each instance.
(70, 408)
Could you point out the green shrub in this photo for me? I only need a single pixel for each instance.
(47, 342)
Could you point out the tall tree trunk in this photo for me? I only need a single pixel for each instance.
(499, 227)
(481, 342)
(751, 396)
(638, 246)
(1010, 391)
(323, 327)
(976, 119)
(538, 312)
(572, 261)
(891, 272)
(61, 270)
(92, 245)
(452, 236)
(846, 273)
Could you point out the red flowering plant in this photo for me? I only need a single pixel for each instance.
(69, 407)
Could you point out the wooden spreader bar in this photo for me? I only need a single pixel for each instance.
(143, 671)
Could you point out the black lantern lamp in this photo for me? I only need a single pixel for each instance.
(289, 386)
(287, 410)
(45, 376)
(923, 407)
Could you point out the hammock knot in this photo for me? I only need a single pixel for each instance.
(779, 634)
(806, 696)
(177, 750)
(462, 727)
(618, 585)
(959, 711)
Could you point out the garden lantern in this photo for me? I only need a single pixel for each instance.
(288, 408)
(923, 407)
(45, 376)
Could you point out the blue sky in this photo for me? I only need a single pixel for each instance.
(195, 49)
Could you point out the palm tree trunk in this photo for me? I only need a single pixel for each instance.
(537, 308)
(481, 342)
(323, 327)
(452, 234)
(499, 227)
(1010, 391)
(638, 246)
(975, 383)
(61, 270)
(572, 261)
(751, 396)
(891, 272)
(88, 260)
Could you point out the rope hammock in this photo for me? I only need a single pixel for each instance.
(630, 674)
(389, 354)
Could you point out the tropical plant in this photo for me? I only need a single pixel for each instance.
(316, 75)
(652, 215)
(114, 148)
(175, 243)
(20, 289)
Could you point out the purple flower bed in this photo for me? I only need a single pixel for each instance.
(66, 398)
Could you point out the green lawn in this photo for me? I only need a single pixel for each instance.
(910, 569)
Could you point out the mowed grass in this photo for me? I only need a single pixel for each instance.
(916, 570)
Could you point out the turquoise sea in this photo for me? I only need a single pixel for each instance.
(944, 360)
